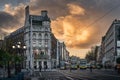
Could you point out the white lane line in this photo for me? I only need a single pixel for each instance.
(40, 74)
(69, 77)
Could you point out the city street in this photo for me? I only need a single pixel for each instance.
(94, 75)
(49, 75)
(59, 40)
(77, 75)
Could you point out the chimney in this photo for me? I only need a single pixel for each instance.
(44, 13)
(26, 15)
(27, 11)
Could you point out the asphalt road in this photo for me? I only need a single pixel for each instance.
(94, 75)
(77, 75)
(49, 75)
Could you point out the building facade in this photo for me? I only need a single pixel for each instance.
(38, 40)
(98, 60)
(53, 51)
(42, 47)
(111, 44)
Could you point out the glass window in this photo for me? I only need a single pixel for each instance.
(118, 52)
(118, 34)
(46, 28)
(40, 36)
(34, 35)
(46, 35)
(35, 22)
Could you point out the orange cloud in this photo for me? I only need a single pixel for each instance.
(78, 52)
(70, 29)
(75, 9)
(9, 30)
(69, 19)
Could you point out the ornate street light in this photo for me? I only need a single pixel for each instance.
(19, 56)
(13, 47)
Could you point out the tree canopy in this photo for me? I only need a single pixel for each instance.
(92, 54)
(6, 57)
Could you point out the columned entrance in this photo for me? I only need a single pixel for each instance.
(44, 63)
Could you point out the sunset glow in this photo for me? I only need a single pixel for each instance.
(69, 20)
(76, 10)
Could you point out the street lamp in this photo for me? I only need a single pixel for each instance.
(18, 57)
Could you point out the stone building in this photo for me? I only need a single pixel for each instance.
(42, 47)
(111, 44)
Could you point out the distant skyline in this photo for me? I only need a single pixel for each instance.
(79, 23)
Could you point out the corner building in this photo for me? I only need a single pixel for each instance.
(42, 47)
(37, 37)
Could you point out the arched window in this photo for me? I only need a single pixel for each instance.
(46, 36)
(34, 35)
(46, 28)
(40, 43)
(40, 36)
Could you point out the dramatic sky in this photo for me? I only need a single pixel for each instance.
(79, 23)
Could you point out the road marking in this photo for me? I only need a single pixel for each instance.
(83, 77)
(69, 77)
(108, 74)
(40, 74)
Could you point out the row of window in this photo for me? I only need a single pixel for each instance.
(40, 27)
(40, 35)
(34, 42)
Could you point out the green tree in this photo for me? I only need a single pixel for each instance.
(5, 60)
(92, 54)
(4, 57)
(17, 62)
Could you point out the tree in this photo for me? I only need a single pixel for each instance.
(5, 59)
(92, 54)
(17, 61)
(89, 56)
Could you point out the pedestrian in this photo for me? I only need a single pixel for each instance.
(40, 67)
(90, 68)
(70, 68)
(45, 67)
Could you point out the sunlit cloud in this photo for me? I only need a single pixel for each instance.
(76, 10)
(70, 30)
(83, 36)
(69, 19)
(8, 30)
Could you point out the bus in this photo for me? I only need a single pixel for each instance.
(64, 65)
(83, 64)
(73, 64)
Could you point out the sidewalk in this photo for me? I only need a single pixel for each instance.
(36, 74)
(47, 70)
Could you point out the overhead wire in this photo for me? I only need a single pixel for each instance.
(101, 17)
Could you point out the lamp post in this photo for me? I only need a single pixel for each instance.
(19, 56)
(24, 62)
